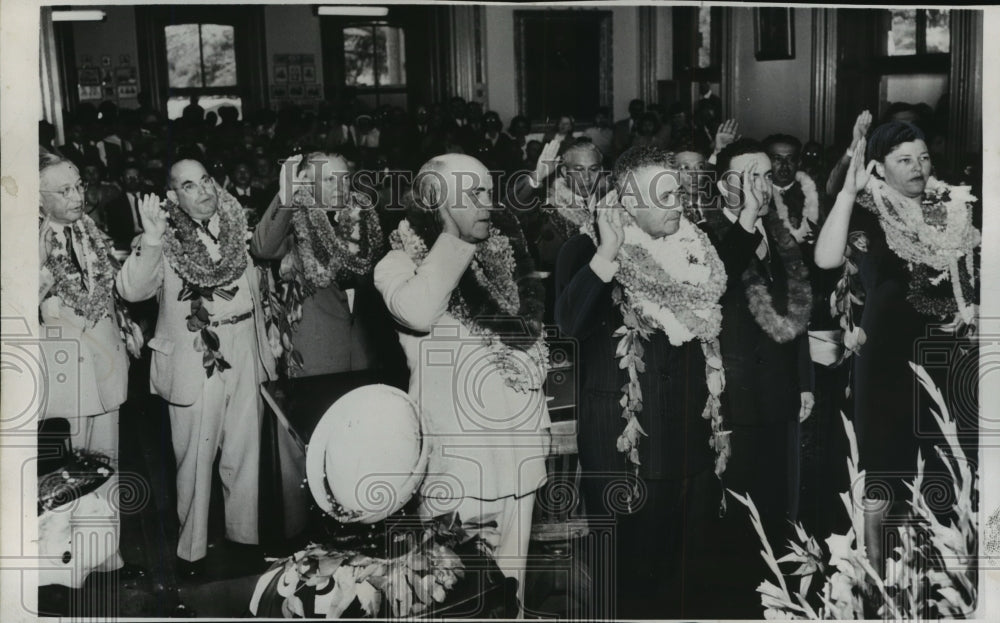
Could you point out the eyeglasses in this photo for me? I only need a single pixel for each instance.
(80, 187)
(206, 183)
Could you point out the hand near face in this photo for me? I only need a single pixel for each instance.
(726, 134)
(153, 216)
(611, 230)
(857, 173)
(290, 181)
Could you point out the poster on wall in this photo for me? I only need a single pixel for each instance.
(126, 75)
(309, 73)
(126, 91)
(314, 91)
(294, 73)
(89, 92)
(89, 76)
(279, 91)
(296, 91)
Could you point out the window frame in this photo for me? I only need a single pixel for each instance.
(248, 35)
(920, 62)
(205, 90)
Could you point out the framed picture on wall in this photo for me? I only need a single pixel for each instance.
(309, 73)
(281, 73)
(314, 92)
(279, 91)
(126, 75)
(773, 34)
(294, 73)
(297, 91)
(89, 76)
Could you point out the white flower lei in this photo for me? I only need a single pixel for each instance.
(810, 210)
(493, 267)
(916, 241)
(687, 257)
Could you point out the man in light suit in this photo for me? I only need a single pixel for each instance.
(85, 358)
(488, 439)
(212, 408)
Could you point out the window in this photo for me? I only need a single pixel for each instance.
(697, 44)
(917, 31)
(374, 55)
(201, 62)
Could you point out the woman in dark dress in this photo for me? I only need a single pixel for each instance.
(909, 247)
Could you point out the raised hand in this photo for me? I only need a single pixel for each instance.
(548, 160)
(153, 217)
(289, 181)
(807, 402)
(611, 230)
(861, 126)
(753, 199)
(726, 134)
(857, 173)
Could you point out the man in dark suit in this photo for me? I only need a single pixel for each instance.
(765, 354)
(78, 148)
(626, 129)
(124, 222)
(661, 539)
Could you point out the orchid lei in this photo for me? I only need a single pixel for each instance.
(322, 251)
(88, 288)
(205, 272)
(493, 267)
(810, 211)
(673, 285)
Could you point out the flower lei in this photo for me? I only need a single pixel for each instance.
(931, 239)
(568, 212)
(810, 209)
(203, 276)
(88, 289)
(409, 583)
(782, 328)
(671, 285)
(493, 269)
(321, 253)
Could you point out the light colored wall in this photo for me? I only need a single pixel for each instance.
(113, 37)
(664, 43)
(773, 96)
(292, 29)
(501, 71)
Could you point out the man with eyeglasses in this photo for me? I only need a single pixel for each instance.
(87, 336)
(210, 351)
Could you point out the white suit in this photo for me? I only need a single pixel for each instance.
(488, 441)
(207, 414)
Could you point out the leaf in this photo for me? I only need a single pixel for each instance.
(211, 339)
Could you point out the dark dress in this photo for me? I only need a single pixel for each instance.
(891, 411)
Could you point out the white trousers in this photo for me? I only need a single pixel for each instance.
(226, 417)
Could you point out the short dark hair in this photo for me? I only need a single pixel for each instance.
(737, 148)
(778, 139)
(888, 136)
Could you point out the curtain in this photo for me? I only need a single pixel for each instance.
(49, 74)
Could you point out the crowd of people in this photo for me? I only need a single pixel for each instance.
(703, 275)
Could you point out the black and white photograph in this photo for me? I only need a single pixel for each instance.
(566, 310)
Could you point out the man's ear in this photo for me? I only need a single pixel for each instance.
(880, 169)
(629, 202)
(172, 195)
(430, 193)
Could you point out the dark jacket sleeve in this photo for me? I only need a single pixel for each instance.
(807, 380)
(736, 249)
(580, 293)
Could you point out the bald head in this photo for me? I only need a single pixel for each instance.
(461, 185)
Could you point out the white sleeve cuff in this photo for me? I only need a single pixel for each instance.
(604, 269)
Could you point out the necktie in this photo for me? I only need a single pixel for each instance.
(71, 251)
